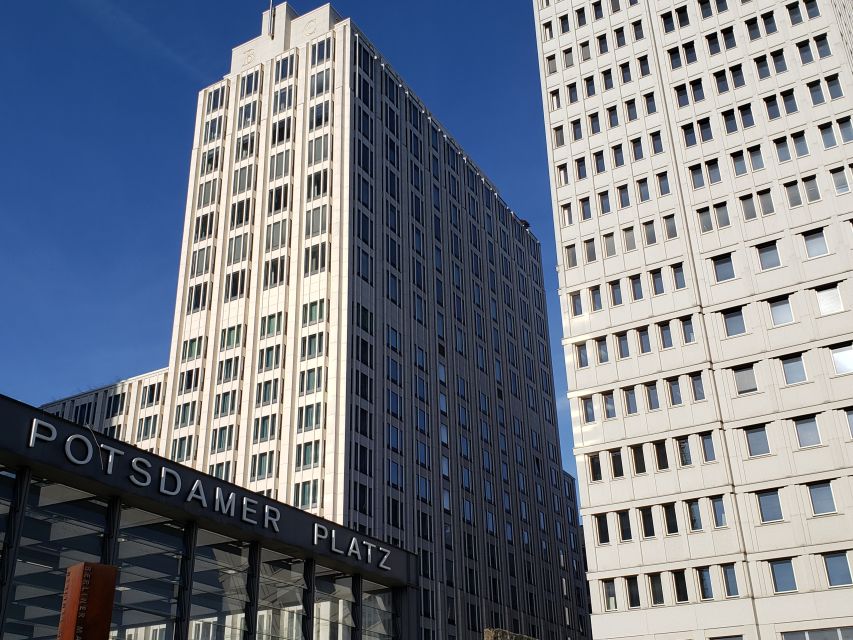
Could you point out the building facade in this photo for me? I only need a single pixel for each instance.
(360, 331)
(700, 158)
(196, 557)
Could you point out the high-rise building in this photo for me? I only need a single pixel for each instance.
(700, 159)
(360, 330)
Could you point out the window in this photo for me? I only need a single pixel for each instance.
(643, 340)
(782, 572)
(660, 455)
(670, 517)
(719, 510)
(656, 276)
(842, 358)
(648, 522)
(636, 287)
(780, 311)
(595, 467)
(656, 588)
(582, 355)
(707, 440)
(793, 368)
(723, 267)
(730, 580)
(601, 528)
(837, 570)
(821, 497)
(625, 534)
(829, 299)
(745, 379)
(678, 276)
(839, 180)
(816, 93)
(639, 459)
(768, 256)
(588, 410)
(616, 463)
(733, 321)
(680, 581)
(633, 588)
(609, 595)
(706, 589)
(769, 506)
(811, 187)
(695, 514)
(630, 397)
(756, 441)
(808, 434)
(685, 459)
(815, 243)
(652, 396)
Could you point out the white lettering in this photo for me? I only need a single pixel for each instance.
(222, 505)
(41, 430)
(353, 548)
(271, 516)
(136, 464)
(113, 452)
(370, 547)
(332, 545)
(385, 555)
(197, 493)
(248, 511)
(165, 471)
(70, 454)
(320, 533)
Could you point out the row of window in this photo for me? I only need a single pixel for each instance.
(683, 445)
(604, 202)
(603, 406)
(656, 281)
(792, 368)
(639, 337)
(607, 242)
(733, 320)
(581, 19)
(720, 580)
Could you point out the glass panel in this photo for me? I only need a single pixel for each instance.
(280, 609)
(150, 551)
(62, 527)
(377, 611)
(7, 494)
(333, 605)
(823, 634)
(220, 589)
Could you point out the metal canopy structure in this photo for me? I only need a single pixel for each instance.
(198, 558)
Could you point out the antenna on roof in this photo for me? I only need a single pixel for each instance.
(271, 20)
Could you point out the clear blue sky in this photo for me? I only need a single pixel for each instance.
(96, 126)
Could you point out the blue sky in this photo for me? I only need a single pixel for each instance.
(96, 125)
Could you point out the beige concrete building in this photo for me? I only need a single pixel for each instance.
(360, 330)
(700, 157)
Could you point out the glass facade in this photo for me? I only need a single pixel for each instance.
(166, 567)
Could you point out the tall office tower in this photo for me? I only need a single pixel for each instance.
(360, 330)
(700, 159)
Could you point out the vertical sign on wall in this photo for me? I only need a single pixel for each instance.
(87, 602)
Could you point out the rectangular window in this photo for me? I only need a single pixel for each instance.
(769, 505)
(820, 494)
(730, 580)
(837, 570)
(756, 441)
(782, 572)
(719, 509)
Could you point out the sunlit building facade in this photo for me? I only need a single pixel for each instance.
(360, 331)
(700, 158)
